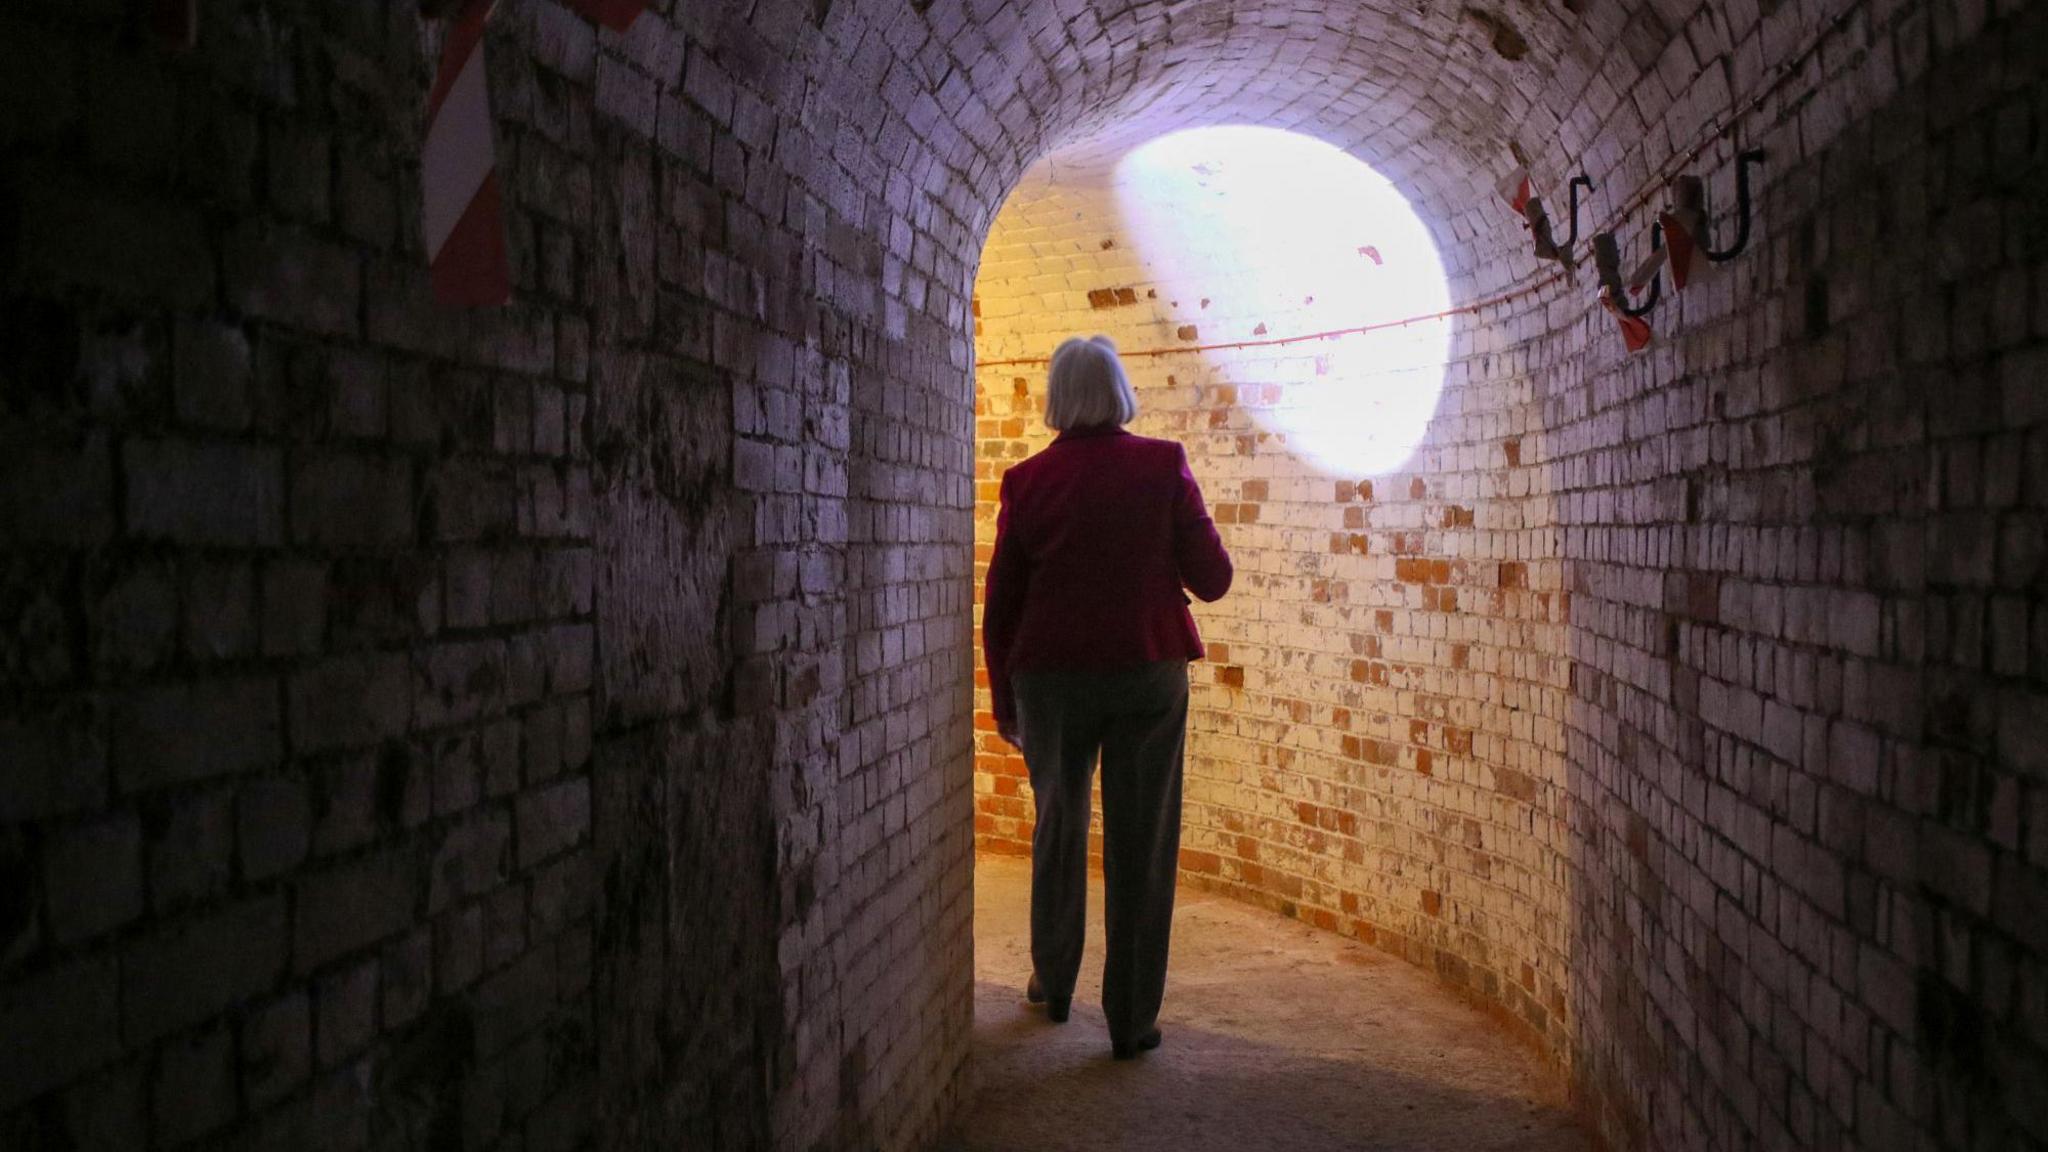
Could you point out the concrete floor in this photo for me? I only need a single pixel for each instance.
(1277, 1036)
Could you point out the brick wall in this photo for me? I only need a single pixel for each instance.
(1802, 547)
(533, 727)
(1767, 825)
(551, 725)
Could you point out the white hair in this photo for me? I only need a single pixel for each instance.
(1086, 385)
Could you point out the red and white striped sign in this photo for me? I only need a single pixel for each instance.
(463, 213)
(617, 15)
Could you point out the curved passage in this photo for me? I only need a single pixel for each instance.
(1276, 1036)
(1361, 751)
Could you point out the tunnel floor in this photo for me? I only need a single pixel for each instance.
(1278, 1036)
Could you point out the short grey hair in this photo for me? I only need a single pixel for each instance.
(1086, 385)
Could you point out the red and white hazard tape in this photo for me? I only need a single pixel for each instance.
(1514, 188)
(463, 210)
(1635, 331)
(1682, 229)
(463, 213)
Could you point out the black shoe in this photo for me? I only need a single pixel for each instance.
(1128, 1050)
(1056, 1007)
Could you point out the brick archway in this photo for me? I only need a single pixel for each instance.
(1359, 755)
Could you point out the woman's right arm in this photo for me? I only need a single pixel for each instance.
(1197, 547)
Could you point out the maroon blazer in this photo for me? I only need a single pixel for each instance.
(1095, 539)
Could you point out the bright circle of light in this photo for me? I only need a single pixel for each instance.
(1284, 231)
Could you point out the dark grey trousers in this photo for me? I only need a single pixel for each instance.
(1137, 721)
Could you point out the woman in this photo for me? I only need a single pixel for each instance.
(1088, 637)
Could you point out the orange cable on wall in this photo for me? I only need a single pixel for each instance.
(1329, 334)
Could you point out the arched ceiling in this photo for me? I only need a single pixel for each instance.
(1429, 92)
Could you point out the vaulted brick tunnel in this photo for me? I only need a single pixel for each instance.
(551, 725)
(1379, 731)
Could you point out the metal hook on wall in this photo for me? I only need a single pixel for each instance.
(1580, 181)
(1607, 263)
(1690, 196)
(1538, 220)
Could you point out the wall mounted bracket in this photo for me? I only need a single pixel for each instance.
(1607, 263)
(1580, 181)
(1689, 194)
